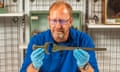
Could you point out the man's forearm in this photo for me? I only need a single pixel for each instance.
(87, 69)
(31, 69)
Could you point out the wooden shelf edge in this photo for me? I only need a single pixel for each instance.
(103, 26)
(11, 14)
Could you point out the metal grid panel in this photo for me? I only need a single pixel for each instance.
(9, 41)
(44, 4)
(95, 10)
(13, 6)
(107, 38)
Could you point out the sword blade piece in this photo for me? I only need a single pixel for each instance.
(61, 48)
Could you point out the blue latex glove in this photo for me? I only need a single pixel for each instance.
(81, 56)
(37, 57)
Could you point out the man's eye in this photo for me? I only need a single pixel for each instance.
(53, 21)
(62, 21)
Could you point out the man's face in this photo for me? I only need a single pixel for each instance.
(60, 22)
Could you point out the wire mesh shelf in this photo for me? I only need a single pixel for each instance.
(108, 61)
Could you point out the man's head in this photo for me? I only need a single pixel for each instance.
(60, 20)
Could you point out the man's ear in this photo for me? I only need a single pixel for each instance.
(48, 17)
(71, 22)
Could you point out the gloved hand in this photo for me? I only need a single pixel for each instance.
(81, 56)
(37, 57)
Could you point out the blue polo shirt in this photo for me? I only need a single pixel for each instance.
(60, 61)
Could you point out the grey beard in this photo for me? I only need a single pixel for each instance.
(61, 36)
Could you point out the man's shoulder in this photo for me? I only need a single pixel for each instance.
(41, 36)
(78, 33)
(82, 38)
(43, 33)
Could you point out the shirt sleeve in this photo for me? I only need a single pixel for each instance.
(88, 42)
(27, 59)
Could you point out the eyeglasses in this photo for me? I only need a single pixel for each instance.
(61, 21)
